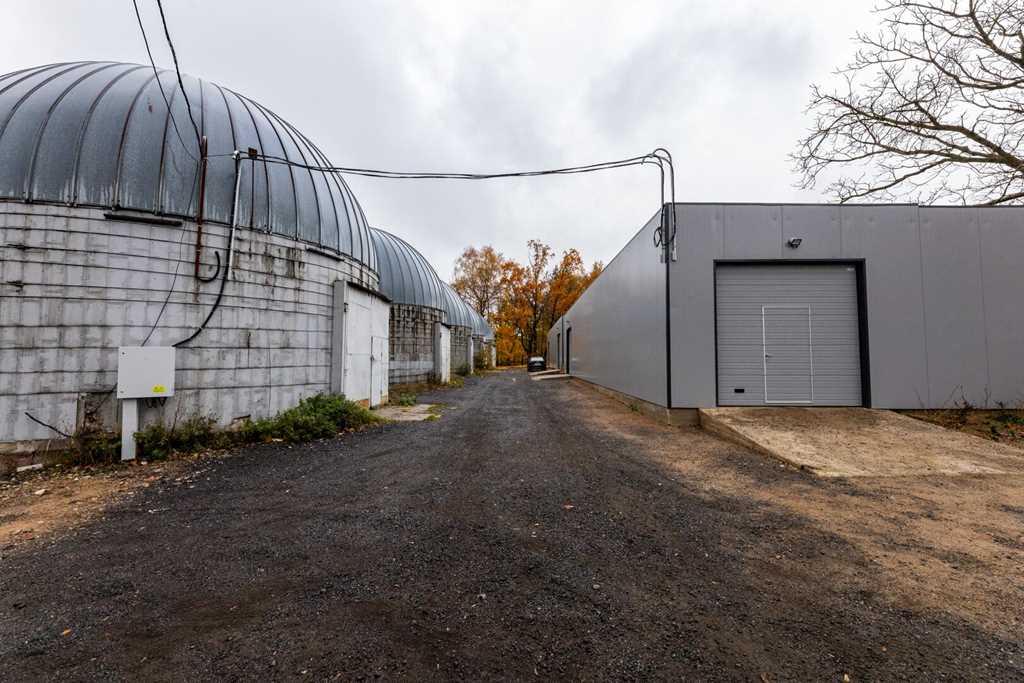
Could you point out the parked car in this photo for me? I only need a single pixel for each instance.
(536, 364)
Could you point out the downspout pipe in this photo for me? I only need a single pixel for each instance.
(668, 244)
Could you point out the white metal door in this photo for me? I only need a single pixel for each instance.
(378, 371)
(357, 345)
(787, 334)
(366, 346)
(788, 353)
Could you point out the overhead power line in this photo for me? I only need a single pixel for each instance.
(156, 72)
(664, 235)
(437, 175)
(181, 83)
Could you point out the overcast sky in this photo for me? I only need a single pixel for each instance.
(495, 86)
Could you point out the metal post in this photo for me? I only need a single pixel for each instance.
(202, 202)
(129, 425)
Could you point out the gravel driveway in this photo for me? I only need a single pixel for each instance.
(526, 533)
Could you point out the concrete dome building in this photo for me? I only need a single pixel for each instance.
(418, 310)
(115, 233)
(483, 341)
(462, 322)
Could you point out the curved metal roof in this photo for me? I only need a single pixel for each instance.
(481, 328)
(459, 312)
(100, 134)
(405, 275)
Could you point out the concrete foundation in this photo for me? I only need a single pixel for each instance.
(677, 417)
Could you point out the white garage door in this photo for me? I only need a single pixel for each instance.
(787, 334)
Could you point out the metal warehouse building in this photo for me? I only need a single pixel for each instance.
(888, 306)
(264, 276)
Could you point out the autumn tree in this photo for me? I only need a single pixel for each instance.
(565, 284)
(530, 296)
(930, 109)
(478, 274)
(525, 293)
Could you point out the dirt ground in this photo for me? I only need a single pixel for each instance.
(52, 501)
(1003, 425)
(535, 529)
(858, 442)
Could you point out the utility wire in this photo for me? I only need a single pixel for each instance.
(421, 175)
(174, 57)
(156, 72)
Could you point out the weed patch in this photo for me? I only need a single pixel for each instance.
(404, 399)
(316, 417)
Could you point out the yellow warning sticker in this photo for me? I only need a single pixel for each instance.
(159, 389)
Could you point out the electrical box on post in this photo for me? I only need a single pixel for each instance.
(145, 372)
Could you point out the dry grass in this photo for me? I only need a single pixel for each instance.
(1004, 425)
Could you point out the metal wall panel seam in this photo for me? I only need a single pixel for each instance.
(924, 312)
(85, 127)
(42, 128)
(976, 217)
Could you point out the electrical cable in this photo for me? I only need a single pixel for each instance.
(181, 83)
(231, 246)
(156, 72)
(48, 426)
(426, 175)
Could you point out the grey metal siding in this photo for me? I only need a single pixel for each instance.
(617, 326)
(787, 334)
(943, 288)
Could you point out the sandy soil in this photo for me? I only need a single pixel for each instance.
(857, 442)
(948, 543)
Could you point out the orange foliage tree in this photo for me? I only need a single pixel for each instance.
(522, 300)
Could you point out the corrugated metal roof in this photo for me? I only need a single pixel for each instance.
(405, 275)
(459, 312)
(481, 327)
(99, 134)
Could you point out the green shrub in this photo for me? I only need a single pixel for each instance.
(158, 441)
(404, 399)
(316, 417)
(92, 446)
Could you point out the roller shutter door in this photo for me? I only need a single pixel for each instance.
(787, 335)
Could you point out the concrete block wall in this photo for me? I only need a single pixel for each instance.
(75, 285)
(483, 352)
(460, 347)
(412, 343)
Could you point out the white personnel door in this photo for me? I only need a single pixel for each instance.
(366, 347)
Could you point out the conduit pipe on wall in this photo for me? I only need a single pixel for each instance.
(237, 156)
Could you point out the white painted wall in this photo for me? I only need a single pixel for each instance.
(442, 353)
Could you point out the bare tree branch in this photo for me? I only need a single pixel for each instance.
(932, 108)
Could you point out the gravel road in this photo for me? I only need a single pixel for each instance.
(512, 538)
